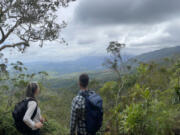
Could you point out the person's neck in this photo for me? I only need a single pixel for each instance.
(84, 89)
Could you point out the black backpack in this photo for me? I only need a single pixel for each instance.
(93, 112)
(18, 115)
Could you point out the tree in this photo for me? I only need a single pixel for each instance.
(116, 64)
(29, 21)
(116, 61)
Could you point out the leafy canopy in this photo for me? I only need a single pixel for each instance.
(23, 22)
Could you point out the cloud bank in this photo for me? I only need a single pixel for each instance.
(143, 25)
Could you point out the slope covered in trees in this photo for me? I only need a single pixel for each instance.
(160, 55)
(144, 102)
(141, 97)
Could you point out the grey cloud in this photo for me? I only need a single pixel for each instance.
(95, 23)
(174, 31)
(101, 12)
(172, 39)
(85, 41)
(169, 37)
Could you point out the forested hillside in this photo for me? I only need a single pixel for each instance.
(144, 102)
(160, 55)
(141, 94)
(61, 80)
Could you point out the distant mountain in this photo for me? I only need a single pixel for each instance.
(159, 55)
(94, 63)
(93, 66)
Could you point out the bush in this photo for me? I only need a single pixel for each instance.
(147, 116)
(52, 127)
(7, 124)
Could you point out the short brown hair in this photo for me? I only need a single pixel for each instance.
(84, 80)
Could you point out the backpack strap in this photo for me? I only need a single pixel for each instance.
(35, 111)
(34, 114)
(84, 95)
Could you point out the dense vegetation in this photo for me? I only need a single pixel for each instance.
(55, 107)
(139, 98)
(144, 101)
(148, 103)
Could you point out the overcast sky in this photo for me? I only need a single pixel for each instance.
(143, 25)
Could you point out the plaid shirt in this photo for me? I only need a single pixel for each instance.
(77, 123)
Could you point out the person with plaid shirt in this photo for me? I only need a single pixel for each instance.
(77, 123)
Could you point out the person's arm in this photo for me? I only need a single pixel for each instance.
(73, 122)
(27, 117)
(41, 118)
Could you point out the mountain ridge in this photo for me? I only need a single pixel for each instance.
(94, 63)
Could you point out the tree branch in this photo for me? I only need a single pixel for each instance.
(2, 32)
(8, 7)
(10, 31)
(26, 44)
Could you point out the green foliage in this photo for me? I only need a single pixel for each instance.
(147, 115)
(7, 123)
(108, 92)
(132, 119)
(30, 21)
(149, 102)
(12, 90)
(52, 127)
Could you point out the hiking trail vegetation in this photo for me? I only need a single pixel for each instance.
(140, 98)
(137, 101)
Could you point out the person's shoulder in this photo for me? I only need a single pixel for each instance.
(32, 103)
(78, 98)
